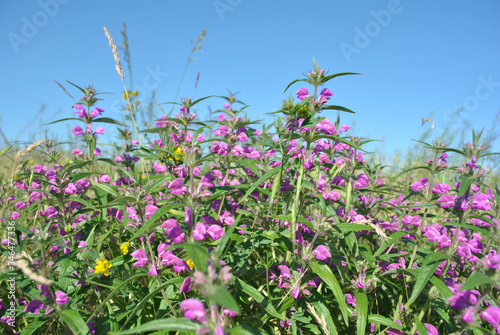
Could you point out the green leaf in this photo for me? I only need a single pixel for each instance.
(259, 298)
(295, 81)
(475, 280)
(198, 254)
(262, 179)
(4, 151)
(323, 317)
(149, 225)
(75, 322)
(420, 326)
(429, 266)
(465, 183)
(245, 330)
(33, 327)
(325, 273)
(109, 120)
(224, 298)
(330, 77)
(337, 108)
(65, 119)
(173, 324)
(106, 188)
(441, 287)
(362, 312)
(376, 318)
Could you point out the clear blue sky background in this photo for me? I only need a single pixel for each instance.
(419, 58)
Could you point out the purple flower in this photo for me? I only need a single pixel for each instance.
(150, 210)
(492, 315)
(81, 111)
(468, 315)
(302, 93)
(177, 187)
(34, 306)
(97, 111)
(199, 233)
(77, 130)
(100, 130)
(50, 212)
(186, 285)
(492, 260)
(61, 298)
(326, 93)
(321, 253)
(193, 309)
(431, 330)
(153, 271)
(446, 201)
(215, 232)
(141, 258)
(176, 235)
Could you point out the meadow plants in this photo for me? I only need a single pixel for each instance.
(277, 229)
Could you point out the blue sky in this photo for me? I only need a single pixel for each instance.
(418, 58)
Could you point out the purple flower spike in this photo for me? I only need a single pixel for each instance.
(194, 309)
(34, 306)
(61, 298)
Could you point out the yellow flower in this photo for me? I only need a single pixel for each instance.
(103, 266)
(178, 151)
(190, 263)
(124, 248)
(130, 94)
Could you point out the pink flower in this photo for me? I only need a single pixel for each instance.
(104, 178)
(77, 152)
(186, 285)
(193, 309)
(215, 232)
(150, 210)
(140, 257)
(302, 93)
(77, 130)
(492, 315)
(61, 298)
(81, 111)
(100, 130)
(177, 187)
(97, 111)
(321, 253)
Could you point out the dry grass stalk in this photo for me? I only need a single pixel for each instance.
(380, 232)
(23, 264)
(20, 154)
(115, 53)
(321, 320)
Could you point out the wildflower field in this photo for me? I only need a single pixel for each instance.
(233, 226)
